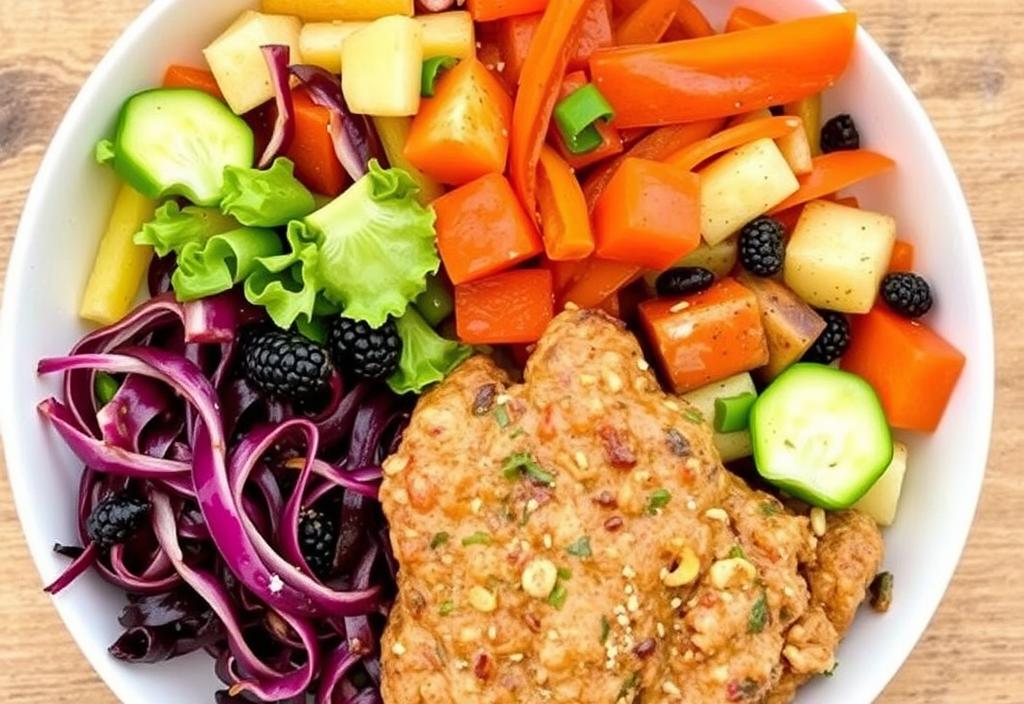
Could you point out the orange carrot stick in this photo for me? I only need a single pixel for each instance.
(197, 78)
(564, 220)
(745, 18)
(646, 24)
(834, 172)
(692, 156)
(690, 22)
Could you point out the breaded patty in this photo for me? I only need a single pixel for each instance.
(575, 538)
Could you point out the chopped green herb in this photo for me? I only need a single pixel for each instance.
(438, 540)
(881, 592)
(519, 463)
(628, 684)
(580, 548)
(564, 573)
(432, 69)
(737, 551)
(446, 607)
(657, 500)
(733, 413)
(693, 415)
(768, 508)
(478, 538)
(558, 596)
(518, 432)
(758, 615)
(832, 670)
(501, 415)
(606, 628)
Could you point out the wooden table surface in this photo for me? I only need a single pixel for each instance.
(965, 60)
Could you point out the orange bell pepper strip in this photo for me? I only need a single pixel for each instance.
(744, 18)
(487, 10)
(462, 132)
(902, 256)
(647, 23)
(648, 214)
(834, 172)
(563, 273)
(658, 145)
(482, 229)
(848, 201)
(541, 78)
(692, 156)
(913, 369)
(611, 142)
(509, 308)
(564, 220)
(595, 32)
(187, 77)
(726, 74)
(706, 337)
(789, 218)
(596, 280)
(312, 149)
(689, 23)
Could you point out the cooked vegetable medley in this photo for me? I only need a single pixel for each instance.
(353, 197)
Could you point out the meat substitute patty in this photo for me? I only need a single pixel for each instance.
(575, 538)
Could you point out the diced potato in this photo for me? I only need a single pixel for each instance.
(393, 132)
(120, 264)
(837, 256)
(444, 34)
(794, 147)
(328, 10)
(731, 446)
(743, 184)
(238, 64)
(719, 259)
(882, 499)
(384, 63)
(790, 325)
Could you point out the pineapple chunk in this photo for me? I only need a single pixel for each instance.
(328, 10)
(882, 499)
(393, 133)
(743, 184)
(384, 63)
(837, 256)
(238, 64)
(444, 34)
(731, 446)
(790, 325)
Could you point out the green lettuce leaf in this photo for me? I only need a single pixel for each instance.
(427, 358)
(286, 284)
(214, 266)
(269, 198)
(173, 227)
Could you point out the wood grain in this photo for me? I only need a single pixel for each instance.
(965, 60)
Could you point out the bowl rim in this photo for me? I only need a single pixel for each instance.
(152, 15)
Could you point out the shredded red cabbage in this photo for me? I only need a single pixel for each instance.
(277, 57)
(228, 472)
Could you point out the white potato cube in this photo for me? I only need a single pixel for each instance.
(740, 186)
(837, 256)
(731, 446)
(882, 499)
(238, 64)
(794, 146)
(328, 10)
(383, 63)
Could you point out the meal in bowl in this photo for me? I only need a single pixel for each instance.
(538, 357)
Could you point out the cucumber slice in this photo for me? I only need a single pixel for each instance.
(820, 434)
(176, 141)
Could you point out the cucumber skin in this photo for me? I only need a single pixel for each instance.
(799, 489)
(138, 177)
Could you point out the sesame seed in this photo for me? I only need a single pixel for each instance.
(642, 364)
(569, 305)
(688, 656)
(516, 657)
(720, 674)
(660, 628)
(692, 505)
(613, 381)
(788, 591)
(476, 504)
(492, 632)
(676, 602)
(671, 405)
(681, 306)
(398, 649)
(587, 379)
(532, 505)
(670, 688)
(553, 634)
(628, 589)
(818, 521)
(717, 514)
(581, 459)
(622, 620)
(628, 572)
(633, 603)
(502, 399)
(547, 541)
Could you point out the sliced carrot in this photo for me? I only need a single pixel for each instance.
(487, 10)
(834, 172)
(913, 369)
(648, 214)
(508, 308)
(543, 71)
(564, 220)
(462, 132)
(197, 78)
(744, 18)
(611, 143)
(725, 74)
(312, 149)
(902, 256)
(647, 23)
(482, 229)
(706, 337)
(596, 280)
(689, 158)
(689, 23)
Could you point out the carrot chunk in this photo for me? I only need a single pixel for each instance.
(512, 307)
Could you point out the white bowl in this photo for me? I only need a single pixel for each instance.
(69, 204)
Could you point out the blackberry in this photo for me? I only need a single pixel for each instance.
(286, 365)
(318, 537)
(115, 519)
(762, 246)
(833, 341)
(839, 134)
(372, 353)
(907, 294)
(683, 280)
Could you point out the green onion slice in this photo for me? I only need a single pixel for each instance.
(105, 387)
(733, 413)
(432, 68)
(576, 114)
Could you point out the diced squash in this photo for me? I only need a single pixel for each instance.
(790, 325)
(706, 337)
(883, 498)
(444, 34)
(393, 133)
(383, 74)
(731, 446)
(239, 65)
(740, 186)
(508, 308)
(837, 256)
(328, 10)
(120, 264)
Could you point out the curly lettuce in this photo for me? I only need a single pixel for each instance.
(427, 358)
(173, 227)
(212, 267)
(265, 198)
